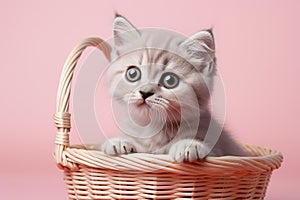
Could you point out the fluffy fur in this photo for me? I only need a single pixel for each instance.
(155, 59)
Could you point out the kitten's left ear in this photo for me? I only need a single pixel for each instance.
(200, 49)
(123, 31)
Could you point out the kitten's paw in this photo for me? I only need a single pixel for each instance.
(117, 146)
(188, 150)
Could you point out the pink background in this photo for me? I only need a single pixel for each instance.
(258, 57)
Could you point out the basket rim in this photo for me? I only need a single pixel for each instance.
(263, 160)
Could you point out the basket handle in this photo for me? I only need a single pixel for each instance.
(62, 117)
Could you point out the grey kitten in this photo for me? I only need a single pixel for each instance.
(164, 81)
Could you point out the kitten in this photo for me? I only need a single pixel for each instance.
(158, 76)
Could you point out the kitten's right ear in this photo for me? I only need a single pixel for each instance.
(199, 49)
(123, 31)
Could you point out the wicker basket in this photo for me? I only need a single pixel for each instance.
(90, 174)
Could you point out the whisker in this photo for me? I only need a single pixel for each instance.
(162, 101)
(174, 126)
(182, 118)
(161, 98)
(189, 105)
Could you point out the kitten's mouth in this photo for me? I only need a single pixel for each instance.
(143, 104)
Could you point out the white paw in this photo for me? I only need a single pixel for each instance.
(117, 146)
(188, 150)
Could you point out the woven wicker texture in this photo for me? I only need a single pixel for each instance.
(91, 174)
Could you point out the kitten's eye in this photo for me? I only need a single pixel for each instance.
(133, 74)
(169, 80)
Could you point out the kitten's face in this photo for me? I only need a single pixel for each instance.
(160, 74)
